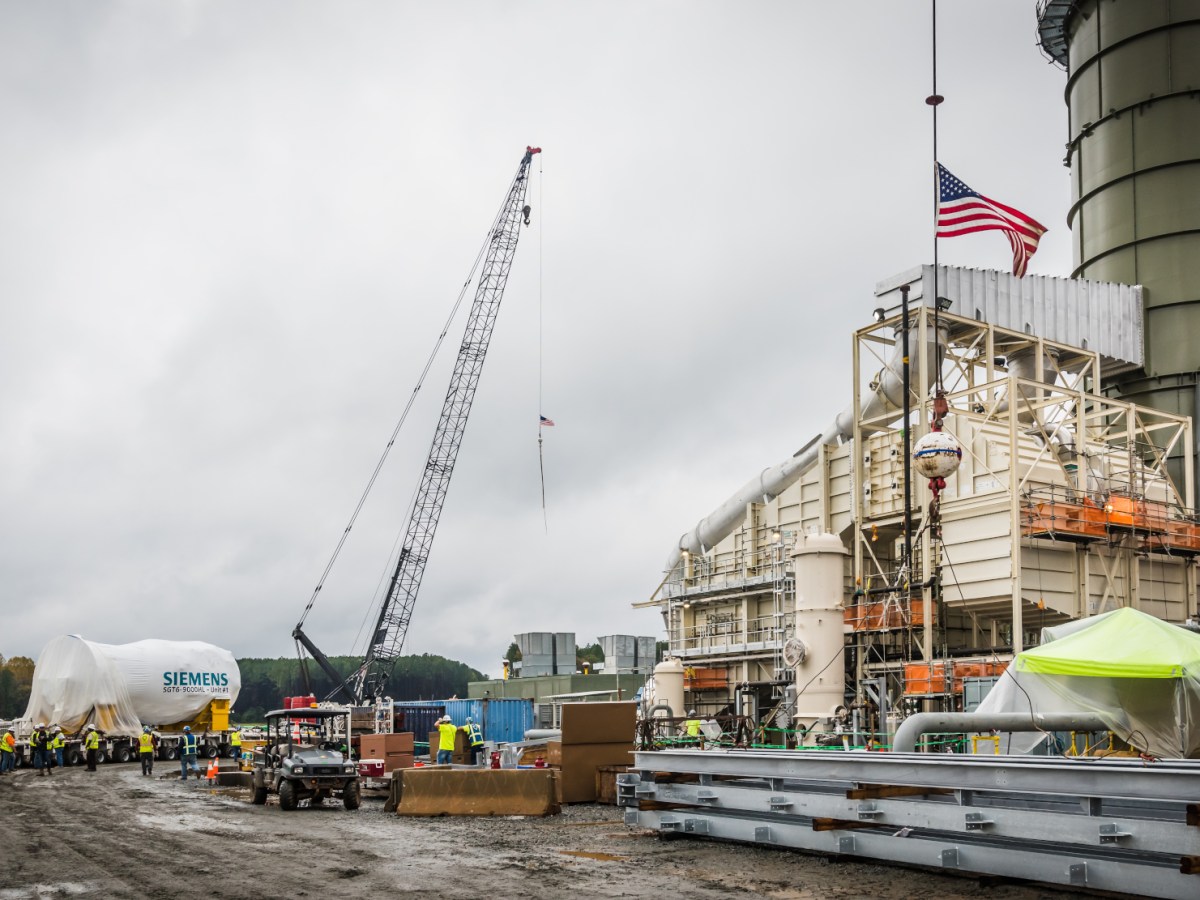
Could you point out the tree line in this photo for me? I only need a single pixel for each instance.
(265, 682)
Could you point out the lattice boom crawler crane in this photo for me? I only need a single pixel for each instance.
(369, 680)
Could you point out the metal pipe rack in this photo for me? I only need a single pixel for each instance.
(1120, 825)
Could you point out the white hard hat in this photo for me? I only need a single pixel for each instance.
(90, 728)
(445, 719)
(41, 724)
(691, 712)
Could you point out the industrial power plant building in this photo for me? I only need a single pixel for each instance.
(1070, 400)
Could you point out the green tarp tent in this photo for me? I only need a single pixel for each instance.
(1141, 675)
(1121, 644)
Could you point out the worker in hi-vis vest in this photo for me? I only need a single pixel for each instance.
(235, 743)
(447, 731)
(146, 750)
(57, 743)
(476, 733)
(187, 754)
(91, 744)
(8, 751)
(692, 725)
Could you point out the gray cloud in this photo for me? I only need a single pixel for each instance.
(232, 231)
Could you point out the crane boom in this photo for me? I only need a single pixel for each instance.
(395, 612)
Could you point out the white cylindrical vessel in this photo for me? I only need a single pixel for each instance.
(819, 561)
(668, 686)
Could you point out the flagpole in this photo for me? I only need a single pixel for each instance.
(934, 100)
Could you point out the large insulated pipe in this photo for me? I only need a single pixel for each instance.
(913, 727)
(888, 396)
(1134, 153)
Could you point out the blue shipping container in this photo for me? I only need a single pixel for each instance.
(418, 718)
(503, 720)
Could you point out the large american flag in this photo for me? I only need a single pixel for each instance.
(963, 211)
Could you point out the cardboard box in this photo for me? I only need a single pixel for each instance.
(462, 748)
(377, 746)
(599, 723)
(580, 762)
(606, 783)
(477, 792)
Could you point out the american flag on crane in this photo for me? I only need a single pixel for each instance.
(964, 211)
(546, 423)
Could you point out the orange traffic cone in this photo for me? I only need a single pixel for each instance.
(213, 768)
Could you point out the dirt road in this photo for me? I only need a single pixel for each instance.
(117, 834)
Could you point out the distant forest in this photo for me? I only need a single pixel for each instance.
(265, 682)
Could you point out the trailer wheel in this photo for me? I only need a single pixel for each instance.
(122, 754)
(233, 752)
(101, 755)
(74, 757)
(287, 796)
(351, 796)
(211, 751)
(172, 753)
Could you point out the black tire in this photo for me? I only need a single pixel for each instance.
(122, 755)
(101, 756)
(234, 752)
(260, 796)
(74, 758)
(172, 753)
(287, 796)
(352, 796)
(210, 751)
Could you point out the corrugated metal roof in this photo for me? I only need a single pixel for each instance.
(1093, 315)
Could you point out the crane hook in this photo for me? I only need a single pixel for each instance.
(526, 211)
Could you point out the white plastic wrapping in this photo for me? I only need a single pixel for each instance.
(120, 687)
(173, 681)
(75, 685)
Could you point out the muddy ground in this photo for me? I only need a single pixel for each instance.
(118, 834)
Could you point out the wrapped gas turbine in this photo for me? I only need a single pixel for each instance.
(119, 687)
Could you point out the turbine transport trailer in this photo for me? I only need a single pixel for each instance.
(121, 688)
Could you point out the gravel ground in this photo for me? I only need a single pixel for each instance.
(118, 834)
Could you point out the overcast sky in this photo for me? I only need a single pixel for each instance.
(231, 231)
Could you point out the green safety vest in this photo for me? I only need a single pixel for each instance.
(235, 739)
(92, 741)
(693, 727)
(476, 735)
(6, 743)
(145, 743)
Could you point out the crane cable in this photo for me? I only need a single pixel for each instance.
(541, 231)
(437, 345)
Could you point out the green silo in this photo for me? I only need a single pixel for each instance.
(1133, 100)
